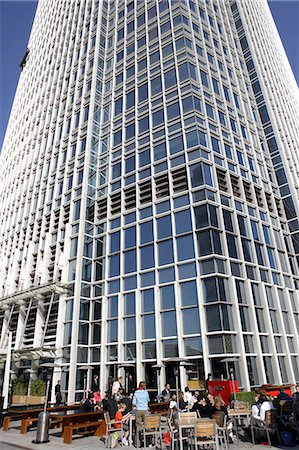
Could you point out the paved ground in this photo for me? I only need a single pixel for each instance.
(12, 439)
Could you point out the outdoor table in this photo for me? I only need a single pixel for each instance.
(237, 415)
(185, 424)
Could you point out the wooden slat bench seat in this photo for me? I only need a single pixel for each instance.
(30, 416)
(84, 423)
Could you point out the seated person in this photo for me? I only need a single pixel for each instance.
(258, 411)
(88, 404)
(182, 404)
(210, 405)
(120, 417)
(201, 406)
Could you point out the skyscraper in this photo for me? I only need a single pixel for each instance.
(149, 196)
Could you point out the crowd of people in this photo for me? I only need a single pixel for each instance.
(121, 405)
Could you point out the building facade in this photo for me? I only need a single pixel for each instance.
(149, 196)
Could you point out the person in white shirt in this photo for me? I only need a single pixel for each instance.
(187, 396)
(116, 386)
(258, 411)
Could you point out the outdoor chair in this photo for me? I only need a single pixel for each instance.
(205, 434)
(173, 435)
(187, 415)
(223, 426)
(152, 427)
(111, 428)
(269, 425)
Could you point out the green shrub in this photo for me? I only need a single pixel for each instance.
(19, 387)
(37, 388)
(245, 397)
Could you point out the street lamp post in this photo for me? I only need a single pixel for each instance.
(7, 371)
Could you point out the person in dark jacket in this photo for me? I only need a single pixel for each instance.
(110, 405)
(295, 399)
(58, 395)
(88, 404)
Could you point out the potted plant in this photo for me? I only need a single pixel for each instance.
(37, 392)
(19, 391)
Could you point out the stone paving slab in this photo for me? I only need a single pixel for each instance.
(14, 440)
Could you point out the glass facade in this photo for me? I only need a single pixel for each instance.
(166, 209)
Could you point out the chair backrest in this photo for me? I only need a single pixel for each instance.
(270, 418)
(219, 417)
(188, 415)
(205, 429)
(152, 421)
(286, 407)
(240, 405)
(170, 426)
(107, 417)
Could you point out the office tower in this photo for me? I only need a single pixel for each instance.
(149, 196)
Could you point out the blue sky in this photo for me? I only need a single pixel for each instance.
(16, 17)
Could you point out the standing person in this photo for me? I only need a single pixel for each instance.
(166, 392)
(131, 384)
(116, 386)
(95, 384)
(58, 395)
(187, 396)
(140, 401)
(295, 398)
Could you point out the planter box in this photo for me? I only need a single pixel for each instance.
(35, 400)
(19, 399)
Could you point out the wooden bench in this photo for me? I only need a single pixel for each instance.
(83, 424)
(29, 416)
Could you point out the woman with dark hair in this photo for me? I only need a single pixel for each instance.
(258, 411)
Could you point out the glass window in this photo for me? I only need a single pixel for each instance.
(183, 221)
(149, 350)
(158, 117)
(164, 227)
(188, 293)
(129, 304)
(130, 237)
(156, 85)
(185, 247)
(193, 346)
(147, 259)
(168, 321)
(143, 124)
(112, 330)
(210, 111)
(146, 232)
(204, 78)
(114, 265)
(130, 164)
(165, 252)
(147, 300)
(142, 92)
(191, 323)
(167, 297)
(148, 326)
(130, 264)
(130, 329)
(130, 99)
(159, 151)
(170, 348)
(170, 79)
(144, 158)
(176, 145)
(173, 111)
